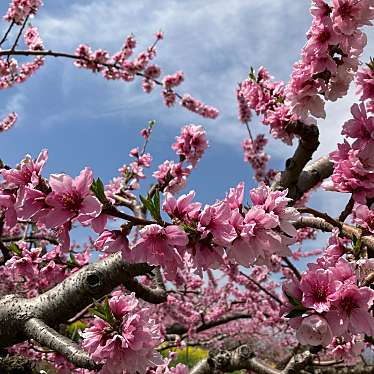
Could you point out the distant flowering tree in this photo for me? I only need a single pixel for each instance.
(163, 272)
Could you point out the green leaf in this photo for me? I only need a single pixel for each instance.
(151, 123)
(72, 262)
(371, 64)
(292, 300)
(97, 187)
(102, 311)
(13, 247)
(252, 74)
(295, 313)
(73, 328)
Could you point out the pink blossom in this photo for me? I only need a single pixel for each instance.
(214, 220)
(172, 176)
(171, 81)
(254, 154)
(32, 39)
(28, 171)
(314, 330)
(191, 144)
(199, 107)
(364, 216)
(317, 287)
(7, 201)
(349, 312)
(8, 122)
(365, 266)
(128, 344)
(159, 246)
(348, 15)
(112, 242)
(20, 9)
(30, 204)
(181, 208)
(235, 196)
(360, 127)
(71, 198)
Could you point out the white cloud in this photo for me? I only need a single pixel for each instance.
(214, 42)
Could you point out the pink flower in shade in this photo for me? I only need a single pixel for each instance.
(365, 83)
(8, 122)
(348, 15)
(314, 330)
(360, 127)
(206, 256)
(365, 266)
(317, 287)
(320, 37)
(347, 350)
(27, 171)
(112, 242)
(27, 265)
(7, 201)
(128, 344)
(364, 216)
(160, 246)
(291, 291)
(191, 144)
(349, 310)
(214, 220)
(182, 208)
(71, 198)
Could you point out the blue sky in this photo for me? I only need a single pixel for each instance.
(86, 121)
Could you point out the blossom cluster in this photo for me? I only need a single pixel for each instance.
(329, 60)
(353, 163)
(190, 146)
(54, 204)
(255, 155)
(19, 10)
(330, 56)
(204, 234)
(329, 301)
(8, 122)
(125, 340)
(266, 97)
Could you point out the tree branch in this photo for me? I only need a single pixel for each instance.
(72, 295)
(37, 330)
(347, 230)
(228, 361)
(308, 144)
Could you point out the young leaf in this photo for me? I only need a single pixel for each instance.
(295, 313)
(13, 247)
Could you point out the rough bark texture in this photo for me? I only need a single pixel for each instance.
(22, 318)
(297, 179)
(228, 361)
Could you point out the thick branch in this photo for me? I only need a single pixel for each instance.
(46, 336)
(72, 295)
(312, 175)
(226, 361)
(308, 144)
(346, 230)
